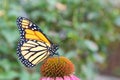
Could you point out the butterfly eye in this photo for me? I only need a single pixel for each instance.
(57, 47)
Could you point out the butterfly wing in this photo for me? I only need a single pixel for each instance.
(31, 52)
(29, 30)
(33, 44)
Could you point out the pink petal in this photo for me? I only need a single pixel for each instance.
(73, 77)
(46, 78)
(66, 78)
(43, 78)
(59, 78)
(50, 78)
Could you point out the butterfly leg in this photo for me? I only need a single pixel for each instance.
(58, 57)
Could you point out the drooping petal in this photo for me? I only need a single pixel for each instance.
(46, 78)
(66, 78)
(50, 78)
(73, 77)
(43, 78)
(59, 78)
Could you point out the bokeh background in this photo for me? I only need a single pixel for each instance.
(88, 32)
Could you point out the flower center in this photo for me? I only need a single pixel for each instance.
(57, 67)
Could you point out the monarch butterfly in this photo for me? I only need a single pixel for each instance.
(34, 46)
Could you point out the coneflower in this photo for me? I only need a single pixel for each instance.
(57, 68)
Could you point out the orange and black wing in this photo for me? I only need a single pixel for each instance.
(33, 45)
(29, 30)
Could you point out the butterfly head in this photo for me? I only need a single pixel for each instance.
(53, 48)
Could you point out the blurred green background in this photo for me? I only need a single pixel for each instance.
(84, 29)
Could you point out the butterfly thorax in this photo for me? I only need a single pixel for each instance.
(53, 49)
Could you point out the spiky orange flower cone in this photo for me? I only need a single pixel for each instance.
(57, 68)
